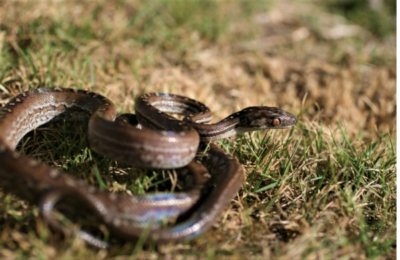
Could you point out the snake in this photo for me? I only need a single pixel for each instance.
(152, 138)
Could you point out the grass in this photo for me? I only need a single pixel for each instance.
(367, 14)
(326, 189)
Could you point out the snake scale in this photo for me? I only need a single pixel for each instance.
(152, 139)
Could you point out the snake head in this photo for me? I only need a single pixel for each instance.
(257, 118)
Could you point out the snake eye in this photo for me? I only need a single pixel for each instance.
(276, 122)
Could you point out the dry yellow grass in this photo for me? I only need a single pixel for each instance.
(315, 64)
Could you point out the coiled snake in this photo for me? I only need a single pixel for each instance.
(159, 141)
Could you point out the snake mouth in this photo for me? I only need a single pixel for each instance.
(241, 130)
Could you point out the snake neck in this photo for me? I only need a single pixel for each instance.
(216, 131)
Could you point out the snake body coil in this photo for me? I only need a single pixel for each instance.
(160, 141)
